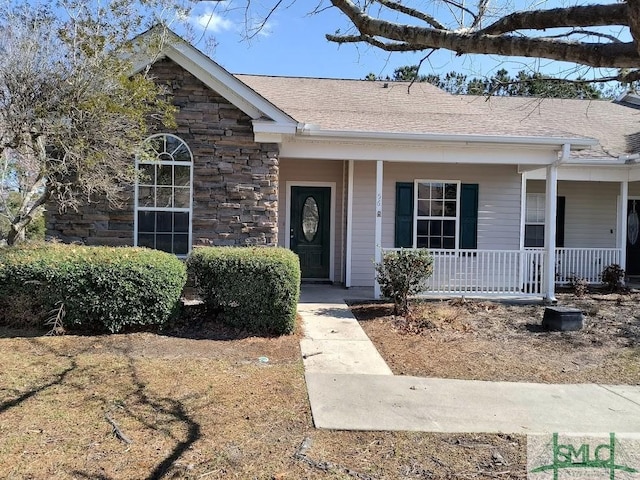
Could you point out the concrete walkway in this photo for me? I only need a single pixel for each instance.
(351, 387)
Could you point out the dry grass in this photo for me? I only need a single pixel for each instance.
(484, 340)
(199, 406)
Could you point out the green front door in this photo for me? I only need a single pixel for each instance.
(309, 235)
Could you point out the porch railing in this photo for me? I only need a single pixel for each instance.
(486, 272)
(586, 263)
(512, 272)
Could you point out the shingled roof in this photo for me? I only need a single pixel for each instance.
(376, 106)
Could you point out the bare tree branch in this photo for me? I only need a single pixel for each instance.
(413, 13)
(615, 55)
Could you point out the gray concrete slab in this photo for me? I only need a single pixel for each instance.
(371, 402)
(342, 356)
(630, 392)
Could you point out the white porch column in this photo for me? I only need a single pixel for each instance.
(378, 226)
(550, 213)
(349, 239)
(622, 227)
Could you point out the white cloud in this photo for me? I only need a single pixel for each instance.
(211, 21)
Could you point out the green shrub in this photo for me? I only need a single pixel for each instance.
(402, 273)
(101, 288)
(613, 277)
(256, 288)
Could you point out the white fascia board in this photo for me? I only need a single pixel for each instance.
(265, 131)
(420, 152)
(582, 173)
(577, 143)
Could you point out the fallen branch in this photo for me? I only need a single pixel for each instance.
(116, 430)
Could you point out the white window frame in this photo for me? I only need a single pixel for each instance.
(417, 217)
(188, 210)
(540, 199)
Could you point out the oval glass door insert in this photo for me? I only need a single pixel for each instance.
(310, 219)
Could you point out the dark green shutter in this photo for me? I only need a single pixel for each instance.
(560, 221)
(404, 215)
(469, 215)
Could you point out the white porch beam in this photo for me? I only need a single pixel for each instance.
(349, 226)
(622, 227)
(551, 191)
(378, 226)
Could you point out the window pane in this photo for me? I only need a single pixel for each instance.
(437, 191)
(146, 197)
(422, 242)
(181, 244)
(164, 197)
(182, 197)
(423, 190)
(451, 191)
(449, 243)
(449, 209)
(146, 240)
(423, 208)
(181, 222)
(172, 145)
(534, 235)
(165, 222)
(437, 208)
(422, 227)
(435, 242)
(183, 175)
(147, 174)
(449, 228)
(181, 154)
(435, 227)
(165, 175)
(163, 242)
(146, 222)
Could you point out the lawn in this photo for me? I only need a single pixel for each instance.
(199, 404)
(484, 340)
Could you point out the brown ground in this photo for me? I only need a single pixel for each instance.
(484, 340)
(198, 404)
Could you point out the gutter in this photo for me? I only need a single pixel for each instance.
(308, 130)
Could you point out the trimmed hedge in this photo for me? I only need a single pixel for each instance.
(101, 288)
(256, 288)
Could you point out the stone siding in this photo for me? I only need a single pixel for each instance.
(235, 180)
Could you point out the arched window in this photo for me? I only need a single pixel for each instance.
(163, 195)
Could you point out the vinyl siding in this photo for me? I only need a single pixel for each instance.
(590, 212)
(315, 171)
(498, 206)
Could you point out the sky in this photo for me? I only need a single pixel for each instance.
(293, 44)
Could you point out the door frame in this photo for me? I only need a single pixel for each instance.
(332, 216)
(625, 253)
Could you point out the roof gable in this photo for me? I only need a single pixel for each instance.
(211, 74)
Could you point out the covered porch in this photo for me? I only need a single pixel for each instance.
(594, 225)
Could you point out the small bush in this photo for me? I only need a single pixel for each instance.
(402, 273)
(613, 277)
(578, 285)
(100, 288)
(256, 288)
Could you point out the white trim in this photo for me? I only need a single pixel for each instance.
(189, 210)
(349, 239)
(332, 217)
(551, 199)
(377, 237)
(623, 200)
(416, 182)
(523, 207)
(452, 138)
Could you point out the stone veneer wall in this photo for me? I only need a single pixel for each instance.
(235, 180)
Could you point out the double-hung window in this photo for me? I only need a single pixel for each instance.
(163, 195)
(535, 218)
(437, 214)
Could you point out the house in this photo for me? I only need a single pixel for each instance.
(510, 194)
